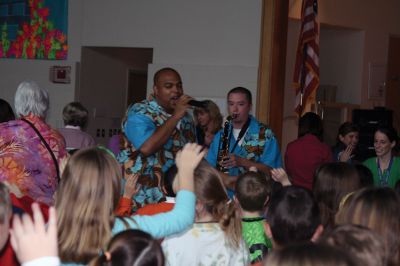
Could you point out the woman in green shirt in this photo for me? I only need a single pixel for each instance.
(385, 167)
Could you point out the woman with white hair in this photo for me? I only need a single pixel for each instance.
(30, 150)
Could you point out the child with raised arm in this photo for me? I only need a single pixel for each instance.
(215, 238)
(89, 193)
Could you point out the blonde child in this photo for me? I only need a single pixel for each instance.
(89, 194)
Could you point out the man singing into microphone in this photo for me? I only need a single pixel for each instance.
(156, 130)
(251, 143)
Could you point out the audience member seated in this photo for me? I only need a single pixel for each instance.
(208, 121)
(215, 238)
(379, 210)
(75, 117)
(311, 255)
(304, 155)
(361, 242)
(88, 195)
(385, 167)
(332, 182)
(30, 150)
(6, 112)
(252, 192)
(292, 217)
(345, 149)
(131, 247)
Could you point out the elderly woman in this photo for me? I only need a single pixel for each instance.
(30, 150)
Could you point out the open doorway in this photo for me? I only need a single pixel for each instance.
(104, 88)
(136, 89)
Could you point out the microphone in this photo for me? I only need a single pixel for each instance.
(196, 103)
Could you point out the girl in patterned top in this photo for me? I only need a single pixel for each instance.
(215, 238)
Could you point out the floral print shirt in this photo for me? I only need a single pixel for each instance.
(25, 161)
(259, 145)
(142, 121)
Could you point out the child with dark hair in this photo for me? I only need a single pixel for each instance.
(345, 149)
(252, 193)
(131, 247)
(366, 177)
(310, 254)
(332, 182)
(292, 217)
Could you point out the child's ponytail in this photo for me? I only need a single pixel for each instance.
(231, 224)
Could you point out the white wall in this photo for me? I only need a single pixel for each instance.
(215, 44)
(341, 62)
(378, 20)
(224, 32)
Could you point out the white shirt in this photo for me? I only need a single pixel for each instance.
(203, 244)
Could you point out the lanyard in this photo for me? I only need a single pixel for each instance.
(241, 134)
(384, 178)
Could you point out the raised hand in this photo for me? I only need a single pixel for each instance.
(30, 239)
(187, 160)
(182, 105)
(279, 175)
(131, 187)
(346, 155)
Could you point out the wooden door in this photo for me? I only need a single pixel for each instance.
(393, 80)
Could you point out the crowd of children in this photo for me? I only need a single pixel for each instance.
(331, 210)
(266, 223)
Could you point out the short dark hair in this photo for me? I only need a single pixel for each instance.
(366, 177)
(346, 128)
(160, 71)
(75, 114)
(242, 90)
(6, 112)
(252, 190)
(310, 123)
(168, 179)
(132, 247)
(311, 254)
(292, 215)
(389, 131)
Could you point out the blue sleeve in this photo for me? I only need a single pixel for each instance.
(271, 155)
(164, 224)
(138, 128)
(213, 150)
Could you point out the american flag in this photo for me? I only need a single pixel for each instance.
(306, 72)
